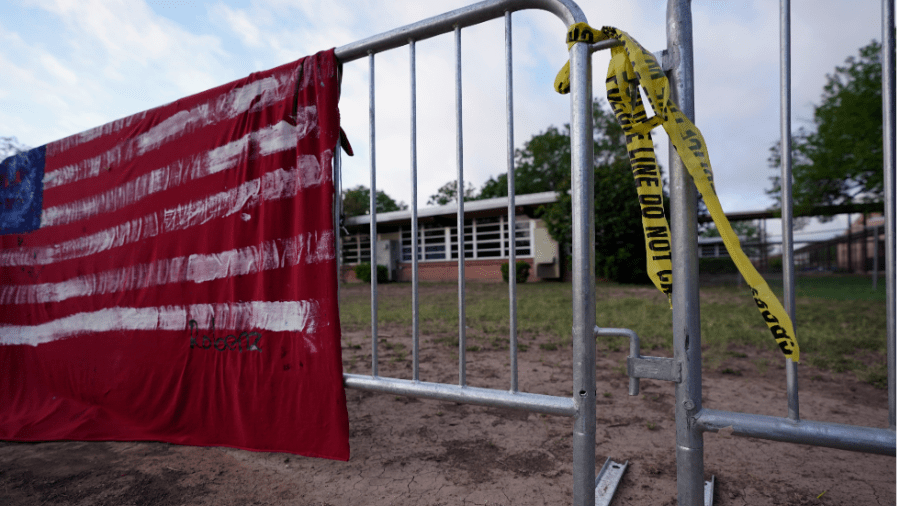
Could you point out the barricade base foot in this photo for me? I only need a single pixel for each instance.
(607, 481)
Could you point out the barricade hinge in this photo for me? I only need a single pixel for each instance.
(658, 368)
(665, 59)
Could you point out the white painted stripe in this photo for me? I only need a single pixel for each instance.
(247, 99)
(293, 316)
(67, 143)
(308, 248)
(278, 184)
(275, 138)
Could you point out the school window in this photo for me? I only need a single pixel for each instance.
(355, 249)
(482, 238)
(708, 250)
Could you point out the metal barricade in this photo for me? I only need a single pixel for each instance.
(691, 417)
(581, 406)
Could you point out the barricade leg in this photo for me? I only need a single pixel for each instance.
(685, 290)
(583, 291)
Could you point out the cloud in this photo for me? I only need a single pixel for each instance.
(239, 23)
(71, 65)
(106, 59)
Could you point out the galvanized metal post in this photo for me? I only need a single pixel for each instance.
(460, 211)
(787, 203)
(373, 260)
(685, 269)
(889, 118)
(414, 213)
(511, 213)
(584, 349)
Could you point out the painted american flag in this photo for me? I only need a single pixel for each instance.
(171, 275)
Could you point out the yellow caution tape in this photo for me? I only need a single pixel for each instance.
(632, 65)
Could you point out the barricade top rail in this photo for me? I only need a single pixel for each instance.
(566, 10)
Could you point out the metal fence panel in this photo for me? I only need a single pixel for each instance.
(692, 419)
(582, 405)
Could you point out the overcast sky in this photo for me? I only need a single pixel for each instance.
(69, 65)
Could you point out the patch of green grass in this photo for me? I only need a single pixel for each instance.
(398, 349)
(834, 287)
(451, 341)
(840, 321)
(762, 365)
(875, 375)
(838, 329)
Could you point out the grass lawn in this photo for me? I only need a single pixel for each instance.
(836, 287)
(840, 322)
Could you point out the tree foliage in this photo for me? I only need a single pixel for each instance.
(356, 202)
(839, 161)
(745, 230)
(751, 238)
(541, 165)
(447, 194)
(544, 163)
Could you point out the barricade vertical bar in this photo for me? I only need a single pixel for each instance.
(584, 348)
(686, 295)
(511, 190)
(460, 221)
(889, 119)
(372, 227)
(787, 203)
(414, 219)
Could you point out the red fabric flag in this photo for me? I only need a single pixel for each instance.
(171, 275)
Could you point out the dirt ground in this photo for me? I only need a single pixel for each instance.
(407, 451)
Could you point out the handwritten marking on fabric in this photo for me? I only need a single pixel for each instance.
(223, 343)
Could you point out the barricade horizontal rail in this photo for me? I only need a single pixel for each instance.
(536, 403)
(565, 10)
(830, 435)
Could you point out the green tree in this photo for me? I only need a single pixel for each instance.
(839, 161)
(544, 164)
(750, 235)
(447, 194)
(745, 230)
(356, 202)
(541, 165)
